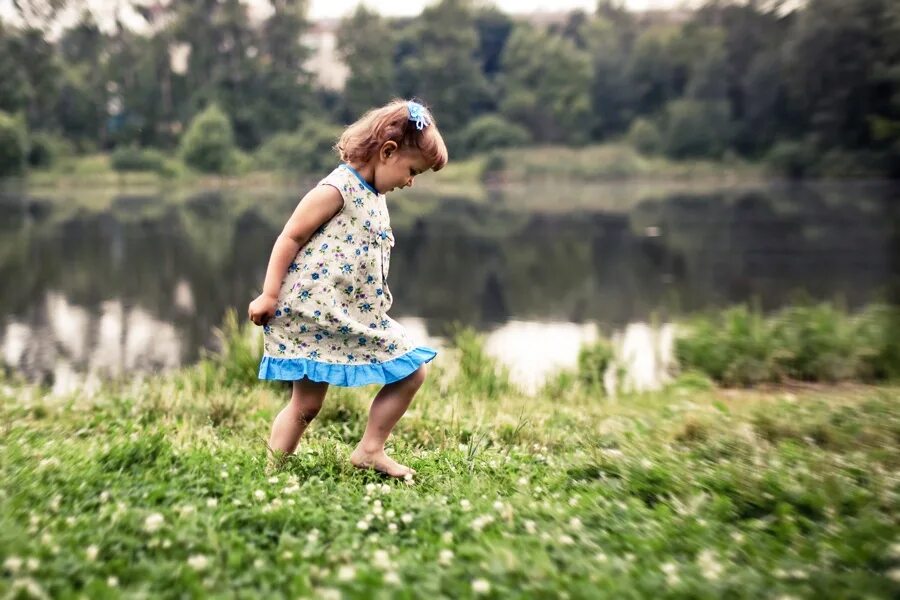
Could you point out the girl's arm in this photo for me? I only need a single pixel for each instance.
(317, 207)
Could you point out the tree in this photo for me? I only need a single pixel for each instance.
(208, 145)
(545, 85)
(365, 43)
(13, 145)
(438, 63)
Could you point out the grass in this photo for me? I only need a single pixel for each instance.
(158, 488)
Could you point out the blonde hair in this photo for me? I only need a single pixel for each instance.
(361, 140)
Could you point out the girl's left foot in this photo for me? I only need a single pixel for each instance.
(380, 462)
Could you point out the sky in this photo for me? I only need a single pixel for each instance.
(319, 9)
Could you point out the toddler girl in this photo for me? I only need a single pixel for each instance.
(325, 298)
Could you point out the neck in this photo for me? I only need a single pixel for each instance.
(366, 170)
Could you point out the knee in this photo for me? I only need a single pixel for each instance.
(306, 410)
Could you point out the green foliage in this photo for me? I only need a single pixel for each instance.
(694, 128)
(479, 373)
(309, 150)
(593, 361)
(13, 145)
(545, 82)
(208, 145)
(46, 149)
(645, 136)
(361, 43)
(236, 363)
(792, 159)
(741, 347)
(490, 132)
(131, 158)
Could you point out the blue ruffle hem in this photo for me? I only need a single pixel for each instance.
(292, 369)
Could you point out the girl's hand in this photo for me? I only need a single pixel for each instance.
(262, 309)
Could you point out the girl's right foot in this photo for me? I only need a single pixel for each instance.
(380, 462)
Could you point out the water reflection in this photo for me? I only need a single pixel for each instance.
(141, 283)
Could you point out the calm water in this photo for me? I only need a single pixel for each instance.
(140, 285)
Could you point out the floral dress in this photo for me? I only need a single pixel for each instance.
(331, 321)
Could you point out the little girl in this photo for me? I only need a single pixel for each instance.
(325, 298)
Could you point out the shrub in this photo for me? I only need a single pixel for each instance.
(13, 145)
(490, 132)
(791, 159)
(45, 149)
(592, 363)
(695, 129)
(479, 373)
(208, 144)
(645, 136)
(131, 158)
(308, 150)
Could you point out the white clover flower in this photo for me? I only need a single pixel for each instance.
(346, 573)
(601, 557)
(377, 509)
(392, 578)
(447, 537)
(153, 522)
(465, 504)
(312, 536)
(291, 489)
(894, 575)
(12, 564)
(407, 518)
(566, 540)
(481, 586)
(573, 501)
(362, 525)
(104, 497)
(287, 555)
(575, 523)
(392, 527)
(530, 526)
(212, 502)
(710, 567)
(187, 510)
(523, 481)
(390, 514)
(385, 488)
(273, 479)
(370, 487)
(445, 557)
(259, 563)
(671, 571)
(327, 594)
(498, 505)
(381, 559)
(91, 552)
(112, 581)
(481, 522)
(223, 474)
(259, 495)
(198, 562)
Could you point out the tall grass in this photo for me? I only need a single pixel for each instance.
(743, 347)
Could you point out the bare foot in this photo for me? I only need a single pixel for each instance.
(380, 462)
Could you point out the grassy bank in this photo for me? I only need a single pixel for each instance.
(157, 488)
(598, 163)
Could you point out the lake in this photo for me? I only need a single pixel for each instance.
(136, 283)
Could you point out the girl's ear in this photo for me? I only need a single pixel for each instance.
(388, 149)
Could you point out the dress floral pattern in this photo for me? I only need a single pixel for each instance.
(331, 321)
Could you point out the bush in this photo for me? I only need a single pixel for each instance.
(130, 158)
(45, 149)
(208, 145)
(13, 145)
(479, 373)
(490, 132)
(791, 159)
(811, 343)
(695, 129)
(592, 363)
(645, 136)
(308, 150)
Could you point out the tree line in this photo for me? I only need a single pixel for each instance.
(813, 89)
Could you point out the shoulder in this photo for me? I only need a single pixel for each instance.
(336, 179)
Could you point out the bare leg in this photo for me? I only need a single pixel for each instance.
(387, 408)
(291, 422)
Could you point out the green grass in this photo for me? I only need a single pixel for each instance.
(157, 488)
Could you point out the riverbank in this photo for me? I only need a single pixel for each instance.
(613, 162)
(144, 487)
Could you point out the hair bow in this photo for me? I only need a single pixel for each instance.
(418, 114)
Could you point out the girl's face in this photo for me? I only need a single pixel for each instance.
(397, 168)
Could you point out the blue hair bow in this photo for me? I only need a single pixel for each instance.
(418, 114)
